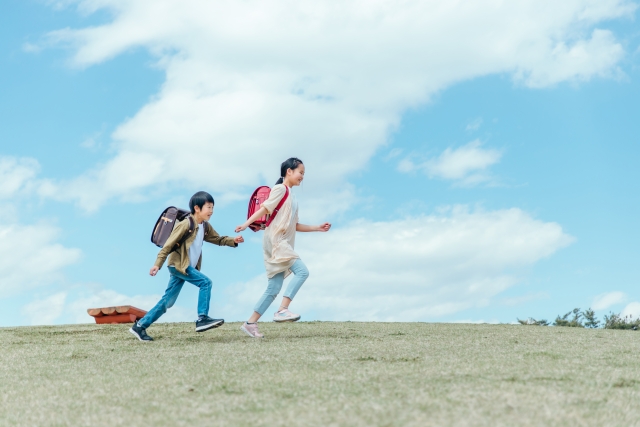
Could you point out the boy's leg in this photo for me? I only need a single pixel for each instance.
(198, 279)
(275, 284)
(168, 299)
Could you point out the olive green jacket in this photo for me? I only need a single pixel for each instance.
(180, 257)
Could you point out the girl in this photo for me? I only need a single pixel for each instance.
(280, 259)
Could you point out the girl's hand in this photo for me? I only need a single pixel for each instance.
(241, 228)
(154, 270)
(324, 227)
(238, 239)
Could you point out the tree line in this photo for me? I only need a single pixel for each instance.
(578, 318)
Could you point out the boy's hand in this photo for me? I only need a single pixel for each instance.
(240, 228)
(154, 270)
(324, 227)
(238, 239)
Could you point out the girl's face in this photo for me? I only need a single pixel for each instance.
(295, 176)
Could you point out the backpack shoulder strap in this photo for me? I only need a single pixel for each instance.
(185, 236)
(277, 209)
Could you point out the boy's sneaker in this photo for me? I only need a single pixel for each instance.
(251, 330)
(140, 332)
(285, 316)
(204, 323)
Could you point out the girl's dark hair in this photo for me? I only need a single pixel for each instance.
(200, 199)
(291, 163)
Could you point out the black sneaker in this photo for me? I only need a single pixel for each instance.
(204, 323)
(140, 332)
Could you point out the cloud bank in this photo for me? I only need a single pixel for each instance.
(251, 83)
(30, 257)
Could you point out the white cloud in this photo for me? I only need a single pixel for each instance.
(467, 165)
(16, 174)
(631, 310)
(412, 269)
(30, 257)
(45, 311)
(576, 61)
(604, 301)
(251, 83)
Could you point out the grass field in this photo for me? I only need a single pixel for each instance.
(320, 374)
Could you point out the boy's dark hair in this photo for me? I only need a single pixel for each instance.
(200, 199)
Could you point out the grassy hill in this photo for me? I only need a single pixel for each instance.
(320, 374)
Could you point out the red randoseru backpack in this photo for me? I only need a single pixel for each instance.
(257, 199)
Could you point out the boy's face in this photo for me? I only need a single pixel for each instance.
(206, 211)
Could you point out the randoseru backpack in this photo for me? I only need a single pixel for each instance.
(164, 226)
(257, 199)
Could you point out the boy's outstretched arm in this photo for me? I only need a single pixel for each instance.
(212, 236)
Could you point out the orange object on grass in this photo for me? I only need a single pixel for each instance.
(116, 314)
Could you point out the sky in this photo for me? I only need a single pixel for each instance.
(478, 160)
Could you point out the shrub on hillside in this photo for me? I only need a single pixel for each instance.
(616, 321)
(574, 322)
(533, 322)
(587, 319)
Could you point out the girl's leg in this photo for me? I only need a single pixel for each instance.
(275, 284)
(301, 273)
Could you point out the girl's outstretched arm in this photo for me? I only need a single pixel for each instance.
(308, 228)
(259, 214)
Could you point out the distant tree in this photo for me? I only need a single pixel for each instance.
(590, 319)
(533, 322)
(575, 322)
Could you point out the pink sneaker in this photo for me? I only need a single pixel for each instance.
(285, 316)
(251, 330)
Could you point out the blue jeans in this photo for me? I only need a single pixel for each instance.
(173, 290)
(275, 284)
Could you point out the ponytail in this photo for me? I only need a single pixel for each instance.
(291, 163)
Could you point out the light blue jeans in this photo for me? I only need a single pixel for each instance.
(173, 290)
(275, 284)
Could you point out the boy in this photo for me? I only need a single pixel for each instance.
(184, 266)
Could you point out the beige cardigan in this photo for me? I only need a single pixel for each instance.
(280, 237)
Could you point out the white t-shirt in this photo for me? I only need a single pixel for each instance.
(196, 247)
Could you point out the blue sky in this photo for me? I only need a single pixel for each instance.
(465, 182)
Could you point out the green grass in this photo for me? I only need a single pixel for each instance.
(320, 374)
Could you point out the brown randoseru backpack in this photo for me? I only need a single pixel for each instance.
(257, 199)
(166, 222)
